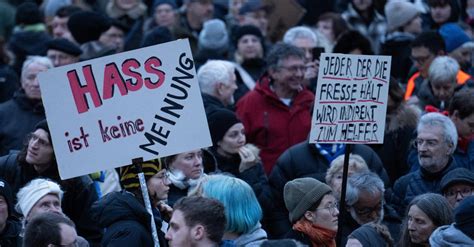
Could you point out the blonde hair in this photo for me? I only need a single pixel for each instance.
(356, 162)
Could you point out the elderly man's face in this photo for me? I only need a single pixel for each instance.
(29, 80)
(369, 208)
(226, 90)
(433, 150)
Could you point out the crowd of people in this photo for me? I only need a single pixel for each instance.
(261, 183)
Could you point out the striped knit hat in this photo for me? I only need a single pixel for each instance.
(129, 174)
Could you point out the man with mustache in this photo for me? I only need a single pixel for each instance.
(436, 141)
(365, 203)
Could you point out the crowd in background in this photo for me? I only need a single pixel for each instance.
(261, 183)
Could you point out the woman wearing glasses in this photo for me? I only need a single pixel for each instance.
(313, 211)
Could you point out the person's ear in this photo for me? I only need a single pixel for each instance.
(309, 215)
(198, 232)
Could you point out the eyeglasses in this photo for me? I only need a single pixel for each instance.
(32, 138)
(428, 143)
(294, 69)
(368, 210)
(452, 194)
(421, 59)
(331, 208)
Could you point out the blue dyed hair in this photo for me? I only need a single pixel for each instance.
(242, 209)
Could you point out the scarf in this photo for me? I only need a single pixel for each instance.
(320, 237)
(330, 151)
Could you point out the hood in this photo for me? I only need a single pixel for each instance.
(119, 206)
(449, 236)
(254, 237)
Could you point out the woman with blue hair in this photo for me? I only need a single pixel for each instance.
(242, 210)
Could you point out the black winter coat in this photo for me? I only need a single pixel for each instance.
(304, 160)
(10, 237)
(79, 193)
(417, 183)
(126, 220)
(18, 117)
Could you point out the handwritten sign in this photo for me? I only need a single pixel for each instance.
(351, 99)
(103, 113)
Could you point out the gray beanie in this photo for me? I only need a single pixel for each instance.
(399, 13)
(214, 36)
(302, 193)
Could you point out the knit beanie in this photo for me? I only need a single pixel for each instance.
(464, 216)
(399, 13)
(247, 29)
(302, 193)
(64, 45)
(44, 126)
(28, 13)
(87, 26)
(458, 175)
(157, 3)
(220, 122)
(31, 193)
(129, 174)
(6, 192)
(454, 37)
(214, 36)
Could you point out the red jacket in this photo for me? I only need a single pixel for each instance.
(272, 125)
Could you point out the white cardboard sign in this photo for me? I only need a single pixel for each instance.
(102, 113)
(351, 99)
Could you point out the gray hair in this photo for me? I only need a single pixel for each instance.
(45, 61)
(443, 69)
(281, 51)
(213, 72)
(440, 120)
(363, 182)
(299, 32)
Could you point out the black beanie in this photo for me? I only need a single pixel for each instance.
(87, 26)
(219, 122)
(64, 45)
(28, 13)
(247, 29)
(464, 216)
(6, 192)
(44, 126)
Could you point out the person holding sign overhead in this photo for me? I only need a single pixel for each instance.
(123, 213)
(277, 112)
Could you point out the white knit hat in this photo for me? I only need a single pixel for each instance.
(399, 13)
(31, 193)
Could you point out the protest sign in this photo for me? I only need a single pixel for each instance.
(351, 99)
(102, 113)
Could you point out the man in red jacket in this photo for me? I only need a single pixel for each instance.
(277, 112)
